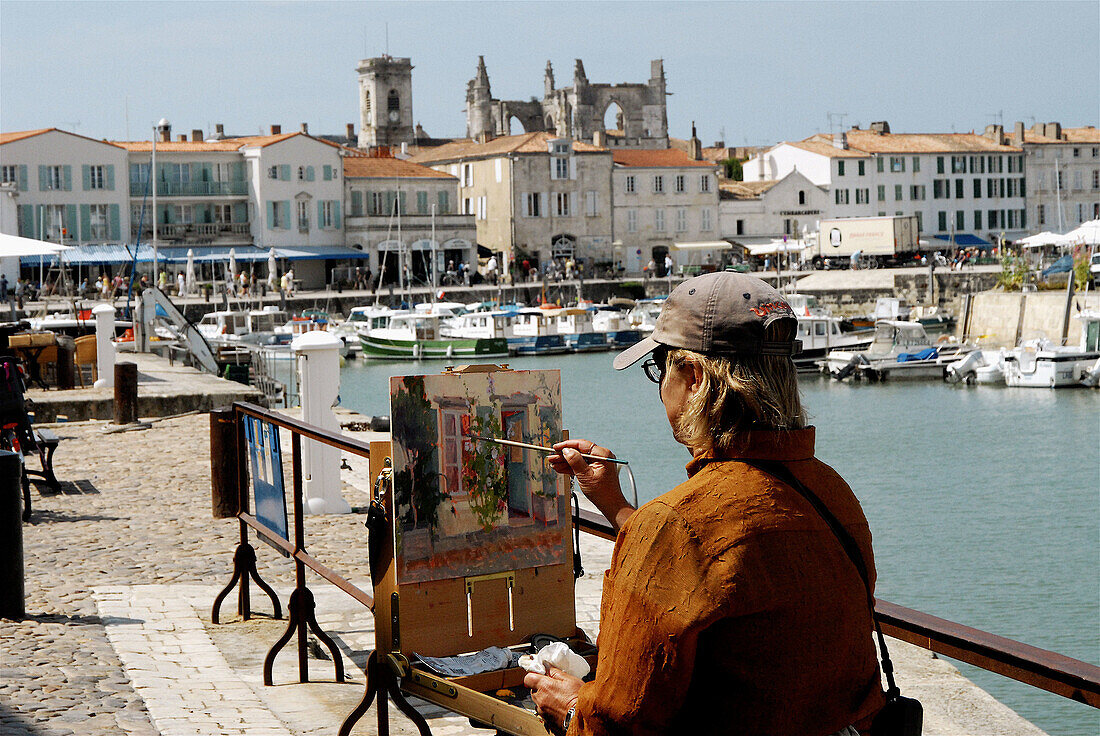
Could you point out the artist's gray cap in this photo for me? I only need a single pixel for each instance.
(724, 313)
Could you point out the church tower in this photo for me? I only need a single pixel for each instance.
(385, 101)
(479, 103)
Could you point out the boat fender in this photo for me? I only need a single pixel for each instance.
(450, 351)
(416, 351)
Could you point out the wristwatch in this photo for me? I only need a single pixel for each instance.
(568, 718)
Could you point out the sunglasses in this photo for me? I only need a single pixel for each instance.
(654, 367)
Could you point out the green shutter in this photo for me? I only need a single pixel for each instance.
(236, 171)
(402, 209)
(114, 229)
(284, 172)
(239, 213)
(110, 177)
(85, 221)
(336, 214)
(70, 222)
(356, 202)
(39, 220)
(327, 172)
(43, 178)
(68, 178)
(289, 214)
(25, 214)
(320, 214)
(22, 177)
(86, 175)
(309, 173)
(270, 215)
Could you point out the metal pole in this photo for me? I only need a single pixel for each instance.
(12, 598)
(126, 393)
(153, 176)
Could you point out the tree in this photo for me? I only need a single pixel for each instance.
(414, 428)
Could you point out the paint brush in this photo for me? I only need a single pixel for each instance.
(548, 450)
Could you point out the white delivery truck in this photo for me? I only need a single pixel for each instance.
(879, 241)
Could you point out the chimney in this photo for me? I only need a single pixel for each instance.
(484, 136)
(719, 144)
(196, 135)
(305, 128)
(165, 133)
(219, 131)
(1018, 132)
(881, 127)
(760, 169)
(276, 129)
(695, 147)
(183, 138)
(840, 140)
(351, 133)
(1053, 130)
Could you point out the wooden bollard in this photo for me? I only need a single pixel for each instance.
(65, 366)
(224, 473)
(126, 394)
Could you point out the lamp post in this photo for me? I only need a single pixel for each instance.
(159, 129)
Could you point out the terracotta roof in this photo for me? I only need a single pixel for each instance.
(656, 158)
(1088, 134)
(745, 189)
(367, 167)
(525, 143)
(864, 143)
(20, 135)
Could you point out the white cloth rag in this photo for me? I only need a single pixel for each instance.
(557, 655)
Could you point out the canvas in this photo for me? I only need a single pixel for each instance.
(467, 507)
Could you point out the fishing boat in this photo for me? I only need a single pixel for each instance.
(413, 336)
(532, 333)
(575, 326)
(900, 350)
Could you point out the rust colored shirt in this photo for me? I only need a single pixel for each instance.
(731, 608)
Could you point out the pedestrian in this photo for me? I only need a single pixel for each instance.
(162, 280)
(20, 289)
(290, 282)
(650, 269)
(730, 605)
(491, 269)
(181, 284)
(668, 265)
(3, 287)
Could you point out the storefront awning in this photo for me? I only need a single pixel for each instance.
(317, 253)
(966, 240)
(91, 255)
(704, 245)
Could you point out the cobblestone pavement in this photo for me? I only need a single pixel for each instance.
(121, 570)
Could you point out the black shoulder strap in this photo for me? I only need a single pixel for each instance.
(780, 471)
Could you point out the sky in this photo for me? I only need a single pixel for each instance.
(745, 72)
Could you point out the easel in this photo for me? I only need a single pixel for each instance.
(454, 616)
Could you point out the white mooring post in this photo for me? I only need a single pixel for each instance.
(104, 348)
(318, 356)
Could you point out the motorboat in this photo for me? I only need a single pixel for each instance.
(372, 315)
(418, 336)
(983, 367)
(900, 350)
(533, 333)
(575, 326)
(643, 317)
(615, 323)
(1041, 363)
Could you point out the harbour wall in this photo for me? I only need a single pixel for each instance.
(1000, 319)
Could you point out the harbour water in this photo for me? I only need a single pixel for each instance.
(984, 502)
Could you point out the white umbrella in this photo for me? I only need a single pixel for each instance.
(1040, 239)
(189, 276)
(13, 246)
(272, 267)
(233, 263)
(1087, 233)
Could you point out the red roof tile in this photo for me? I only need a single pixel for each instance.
(368, 167)
(656, 158)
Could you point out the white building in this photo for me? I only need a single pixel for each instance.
(1062, 168)
(66, 187)
(663, 199)
(964, 188)
(400, 209)
(757, 212)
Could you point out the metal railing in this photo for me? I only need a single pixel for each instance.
(192, 188)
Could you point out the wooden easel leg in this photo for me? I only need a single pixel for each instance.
(301, 618)
(368, 697)
(382, 683)
(244, 567)
(405, 707)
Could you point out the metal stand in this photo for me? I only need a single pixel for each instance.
(301, 608)
(382, 682)
(244, 567)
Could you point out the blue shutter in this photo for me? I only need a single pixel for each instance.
(85, 221)
(336, 214)
(328, 172)
(284, 172)
(270, 215)
(356, 202)
(68, 178)
(286, 208)
(70, 222)
(43, 178)
(309, 173)
(402, 209)
(110, 177)
(86, 174)
(236, 171)
(22, 177)
(239, 213)
(114, 230)
(320, 214)
(39, 220)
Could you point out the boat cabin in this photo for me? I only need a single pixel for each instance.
(897, 336)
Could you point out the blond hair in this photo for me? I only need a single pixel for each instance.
(737, 395)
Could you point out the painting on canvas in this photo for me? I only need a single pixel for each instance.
(464, 506)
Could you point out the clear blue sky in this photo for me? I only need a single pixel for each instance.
(761, 71)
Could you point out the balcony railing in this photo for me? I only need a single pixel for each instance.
(191, 189)
(195, 232)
